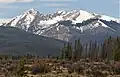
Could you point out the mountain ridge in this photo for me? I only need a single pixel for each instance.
(65, 25)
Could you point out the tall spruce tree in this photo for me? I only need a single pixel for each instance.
(79, 49)
(61, 57)
(116, 49)
(75, 50)
(103, 53)
(86, 51)
(90, 49)
(69, 49)
(109, 48)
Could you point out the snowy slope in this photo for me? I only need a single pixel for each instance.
(5, 20)
(65, 25)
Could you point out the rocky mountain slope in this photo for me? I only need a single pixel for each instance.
(68, 26)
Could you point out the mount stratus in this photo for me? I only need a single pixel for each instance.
(67, 26)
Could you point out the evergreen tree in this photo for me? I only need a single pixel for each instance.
(103, 53)
(98, 51)
(70, 51)
(90, 49)
(79, 50)
(109, 48)
(86, 50)
(61, 57)
(93, 51)
(116, 49)
(75, 50)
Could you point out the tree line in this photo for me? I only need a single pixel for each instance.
(108, 50)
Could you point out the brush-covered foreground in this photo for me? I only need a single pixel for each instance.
(53, 67)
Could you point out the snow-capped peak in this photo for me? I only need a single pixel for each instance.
(24, 20)
(32, 11)
(61, 12)
(83, 15)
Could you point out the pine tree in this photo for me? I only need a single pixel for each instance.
(90, 49)
(116, 49)
(75, 50)
(65, 51)
(98, 51)
(70, 51)
(79, 49)
(86, 50)
(109, 48)
(104, 50)
(61, 57)
(95, 50)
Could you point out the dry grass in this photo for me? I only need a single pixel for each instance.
(60, 68)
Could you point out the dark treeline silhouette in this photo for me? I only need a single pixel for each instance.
(108, 50)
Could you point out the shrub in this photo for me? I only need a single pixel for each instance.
(97, 73)
(20, 68)
(40, 67)
(69, 67)
(117, 71)
(12, 67)
(78, 68)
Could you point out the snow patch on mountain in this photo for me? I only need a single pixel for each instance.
(108, 18)
(4, 20)
(84, 15)
(51, 21)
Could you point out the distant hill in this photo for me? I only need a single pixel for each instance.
(16, 41)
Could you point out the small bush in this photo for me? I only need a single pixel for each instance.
(78, 68)
(11, 67)
(40, 68)
(117, 67)
(20, 68)
(98, 73)
(117, 71)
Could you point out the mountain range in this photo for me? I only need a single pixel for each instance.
(67, 25)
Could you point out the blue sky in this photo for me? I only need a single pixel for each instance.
(12, 8)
